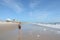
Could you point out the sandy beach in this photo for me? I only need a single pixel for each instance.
(28, 32)
(8, 31)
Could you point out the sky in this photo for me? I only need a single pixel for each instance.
(30, 10)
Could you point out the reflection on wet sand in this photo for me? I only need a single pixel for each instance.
(19, 34)
(34, 32)
(28, 32)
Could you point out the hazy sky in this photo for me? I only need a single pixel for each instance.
(30, 10)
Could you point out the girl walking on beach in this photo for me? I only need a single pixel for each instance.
(19, 31)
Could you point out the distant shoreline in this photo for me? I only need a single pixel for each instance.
(9, 22)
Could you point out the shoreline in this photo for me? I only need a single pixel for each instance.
(9, 22)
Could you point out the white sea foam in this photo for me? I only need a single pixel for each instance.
(49, 25)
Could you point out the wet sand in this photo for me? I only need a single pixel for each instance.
(28, 32)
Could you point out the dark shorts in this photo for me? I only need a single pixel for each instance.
(19, 26)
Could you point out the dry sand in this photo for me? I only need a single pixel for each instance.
(8, 31)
